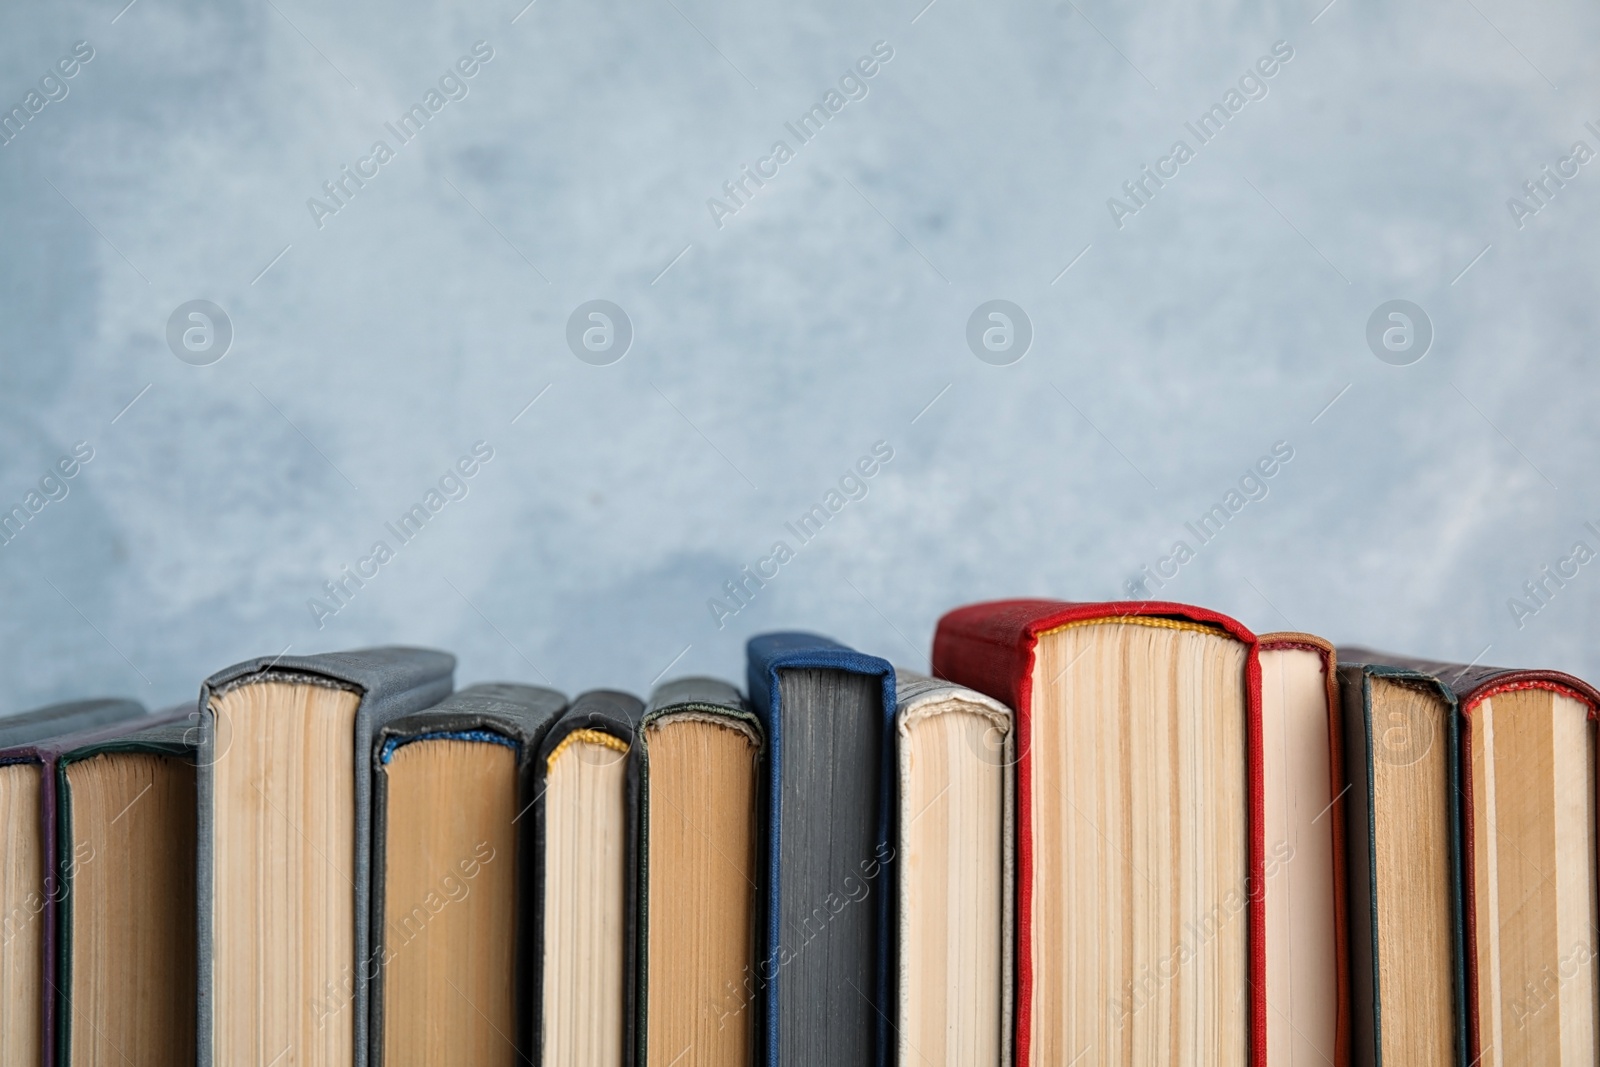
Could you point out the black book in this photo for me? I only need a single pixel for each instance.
(585, 879)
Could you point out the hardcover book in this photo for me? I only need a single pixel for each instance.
(954, 789)
(125, 972)
(700, 758)
(1141, 928)
(1402, 742)
(451, 915)
(284, 833)
(30, 880)
(1492, 961)
(1303, 824)
(825, 952)
(585, 884)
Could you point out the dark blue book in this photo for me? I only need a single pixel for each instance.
(824, 955)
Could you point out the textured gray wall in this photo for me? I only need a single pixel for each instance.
(772, 352)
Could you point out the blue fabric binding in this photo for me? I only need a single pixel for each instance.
(767, 654)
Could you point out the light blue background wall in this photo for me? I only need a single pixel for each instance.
(821, 318)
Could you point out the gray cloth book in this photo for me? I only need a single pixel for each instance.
(284, 828)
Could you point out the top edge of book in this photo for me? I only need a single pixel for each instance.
(706, 700)
(58, 725)
(1470, 684)
(390, 668)
(167, 731)
(1279, 640)
(496, 712)
(609, 712)
(915, 692)
(990, 646)
(695, 692)
(767, 654)
(791, 650)
(1020, 623)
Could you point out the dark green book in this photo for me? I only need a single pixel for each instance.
(125, 848)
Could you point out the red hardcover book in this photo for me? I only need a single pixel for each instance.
(1117, 684)
(1479, 690)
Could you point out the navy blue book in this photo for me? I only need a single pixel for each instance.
(824, 954)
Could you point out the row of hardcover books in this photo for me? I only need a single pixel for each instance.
(1100, 833)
